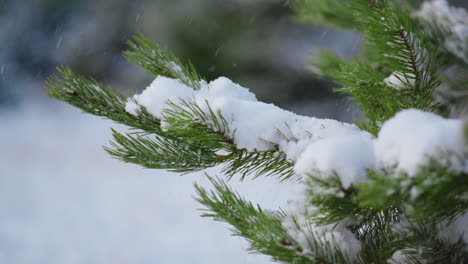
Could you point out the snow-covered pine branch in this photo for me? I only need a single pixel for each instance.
(392, 189)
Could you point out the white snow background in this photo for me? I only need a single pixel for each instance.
(64, 200)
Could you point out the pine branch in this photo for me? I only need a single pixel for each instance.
(92, 97)
(363, 84)
(158, 62)
(264, 231)
(404, 51)
(404, 48)
(260, 163)
(377, 235)
(187, 118)
(160, 153)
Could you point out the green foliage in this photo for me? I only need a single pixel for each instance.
(92, 97)
(402, 50)
(161, 153)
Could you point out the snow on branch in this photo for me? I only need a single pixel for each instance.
(406, 141)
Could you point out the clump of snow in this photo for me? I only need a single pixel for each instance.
(399, 81)
(224, 87)
(255, 124)
(454, 20)
(348, 156)
(155, 96)
(412, 137)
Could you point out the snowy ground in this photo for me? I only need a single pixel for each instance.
(63, 200)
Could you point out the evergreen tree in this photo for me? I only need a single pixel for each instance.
(390, 189)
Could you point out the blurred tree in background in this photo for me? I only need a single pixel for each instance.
(255, 43)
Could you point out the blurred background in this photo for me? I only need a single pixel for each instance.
(62, 199)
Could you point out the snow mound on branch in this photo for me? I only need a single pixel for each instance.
(163, 90)
(255, 125)
(406, 141)
(348, 156)
(412, 137)
(454, 20)
(224, 87)
(155, 96)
